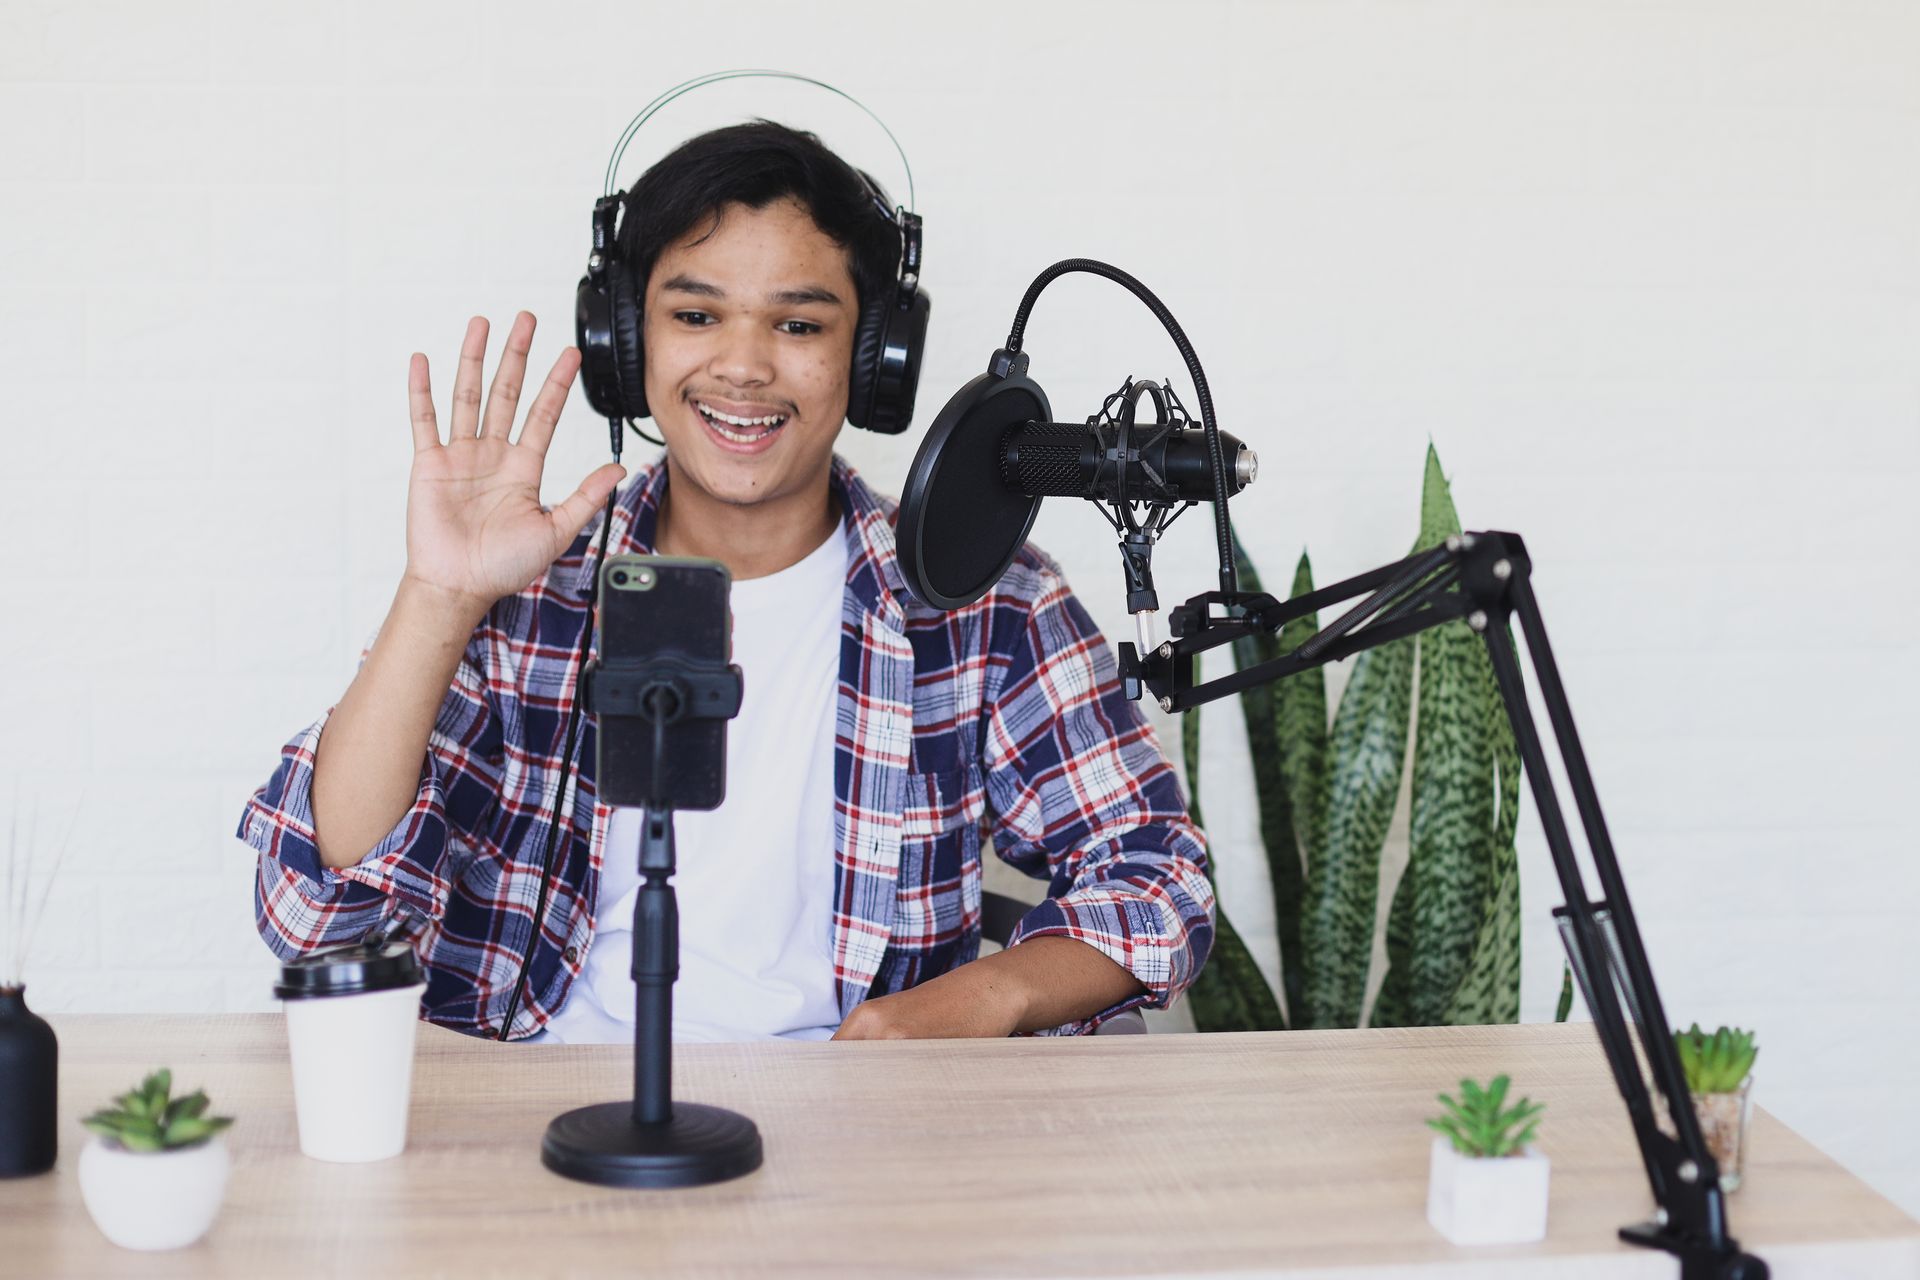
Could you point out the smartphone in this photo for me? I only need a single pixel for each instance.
(662, 617)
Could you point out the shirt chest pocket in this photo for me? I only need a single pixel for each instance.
(939, 878)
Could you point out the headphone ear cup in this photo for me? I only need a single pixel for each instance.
(863, 379)
(629, 363)
(886, 363)
(593, 334)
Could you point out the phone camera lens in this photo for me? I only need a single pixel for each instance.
(620, 578)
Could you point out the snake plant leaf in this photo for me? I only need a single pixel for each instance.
(1438, 902)
(1452, 818)
(1286, 725)
(1368, 746)
(1506, 758)
(1229, 993)
(1300, 720)
(1491, 990)
(1392, 1006)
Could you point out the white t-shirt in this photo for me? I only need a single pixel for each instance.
(754, 877)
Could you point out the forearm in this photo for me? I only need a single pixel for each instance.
(1053, 981)
(1042, 983)
(366, 766)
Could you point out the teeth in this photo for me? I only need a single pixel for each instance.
(772, 419)
(717, 420)
(738, 437)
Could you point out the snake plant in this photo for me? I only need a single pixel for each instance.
(1326, 794)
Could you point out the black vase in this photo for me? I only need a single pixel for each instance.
(29, 1088)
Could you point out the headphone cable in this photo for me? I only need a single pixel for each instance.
(570, 771)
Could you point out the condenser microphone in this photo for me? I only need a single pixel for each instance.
(1088, 460)
(994, 452)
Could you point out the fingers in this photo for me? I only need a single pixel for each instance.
(572, 515)
(426, 427)
(504, 396)
(466, 382)
(544, 413)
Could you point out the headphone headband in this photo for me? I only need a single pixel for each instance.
(714, 77)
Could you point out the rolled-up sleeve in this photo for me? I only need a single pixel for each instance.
(300, 903)
(1083, 796)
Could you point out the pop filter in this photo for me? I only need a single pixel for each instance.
(960, 525)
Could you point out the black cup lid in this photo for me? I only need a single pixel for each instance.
(349, 969)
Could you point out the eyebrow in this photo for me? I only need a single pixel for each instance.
(785, 297)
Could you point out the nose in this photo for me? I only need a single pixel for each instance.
(744, 356)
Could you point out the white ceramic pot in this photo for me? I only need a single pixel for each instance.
(154, 1199)
(1486, 1199)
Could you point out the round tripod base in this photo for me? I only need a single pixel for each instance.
(603, 1144)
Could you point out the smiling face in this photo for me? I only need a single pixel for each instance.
(748, 337)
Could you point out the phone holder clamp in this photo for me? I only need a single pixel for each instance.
(668, 688)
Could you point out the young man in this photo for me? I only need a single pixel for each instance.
(837, 890)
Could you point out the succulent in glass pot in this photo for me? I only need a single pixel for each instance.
(1718, 1066)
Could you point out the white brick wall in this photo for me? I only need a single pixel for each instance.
(1647, 275)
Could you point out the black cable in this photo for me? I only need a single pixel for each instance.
(1223, 531)
(567, 776)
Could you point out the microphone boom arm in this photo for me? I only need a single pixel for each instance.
(1485, 578)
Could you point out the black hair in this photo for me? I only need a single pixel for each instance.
(755, 164)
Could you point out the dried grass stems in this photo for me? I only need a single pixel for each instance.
(26, 877)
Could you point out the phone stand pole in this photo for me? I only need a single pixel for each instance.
(653, 1141)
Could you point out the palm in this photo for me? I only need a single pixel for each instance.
(475, 526)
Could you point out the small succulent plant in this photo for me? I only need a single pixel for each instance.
(1715, 1063)
(145, 1119)
(1477, 1124)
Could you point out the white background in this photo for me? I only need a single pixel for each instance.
(1644, 273)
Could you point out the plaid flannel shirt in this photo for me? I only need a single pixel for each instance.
(1006, 715)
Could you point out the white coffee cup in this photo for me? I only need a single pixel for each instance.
(351, 1013)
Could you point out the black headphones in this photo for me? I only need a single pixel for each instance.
(887, 344)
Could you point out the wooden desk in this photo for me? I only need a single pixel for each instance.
(1281, 1154)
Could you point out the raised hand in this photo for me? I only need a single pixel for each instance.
(475, 528)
